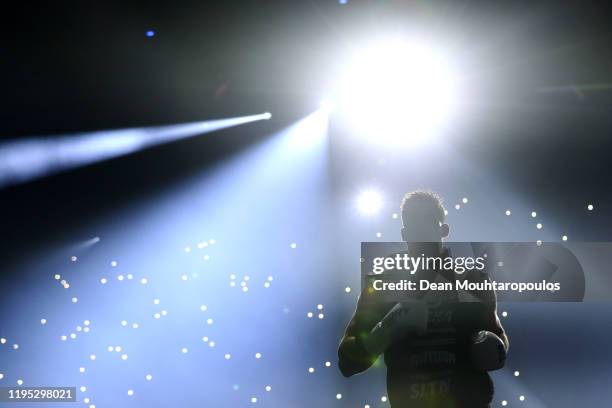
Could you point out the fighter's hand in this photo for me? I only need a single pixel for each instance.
(403, 319)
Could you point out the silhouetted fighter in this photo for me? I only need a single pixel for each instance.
(437, 347)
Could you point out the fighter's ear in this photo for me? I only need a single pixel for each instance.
(404, 234)
(444, 230)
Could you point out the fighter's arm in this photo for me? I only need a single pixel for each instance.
(489, 319)
(489, 343)
(353, 355)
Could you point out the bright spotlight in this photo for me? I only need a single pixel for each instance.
(397, 92)
(22, 160)
(327, 105)
(369, 202)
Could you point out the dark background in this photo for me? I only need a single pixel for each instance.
(69, 67)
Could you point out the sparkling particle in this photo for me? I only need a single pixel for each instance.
(320, 307)
(74, 300)
(445, 212)
(184, 350)
(205, 339)
(347, 289)
(206, 257)
(457, 206)
(79, 328)
(327, 364)
(130, 276)
(539, 242)
(73, 336)
(564, 238)
(293, 245)
(464, 200)
(539, 225)
(257, 355)
(130, 392)
(203, 308)
(522, 398)
(144, 281)
(103, 281)
(86, 322)
(227, 356)
(309, 314)
(124, 323)
(73, 258)
(43, 321)
(516, 373)
(148, 377)
(321, 315)
(157, 315)
(233, 284)
(266, 284)
(534, 214)
(83, 388)
(233, 276)
(211, 344)
(338, 396)
(268, 388)
(15, 346)
(505, 314)
(508, 212)
(245, 289)
(156, 301)
(57, 277)
(86, 400)
(311, 370)
(134, 325)
(110, 348)
(184, 277)
(81, 369)
(150, 33)
(92, 357)
(383, 398)
(2, 340)
(114, 264)
(504, 403)
(212, 241)
(124, 357)
(590, 207)
(120, 278)
(20, 382)
(187, 249)
(118, 349)
(209, 321)
(394, 216)
(378, 234)
(253, 400)
(64, 338)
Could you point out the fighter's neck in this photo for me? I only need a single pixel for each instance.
(425, 248)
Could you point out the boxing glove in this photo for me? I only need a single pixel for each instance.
(487, 351)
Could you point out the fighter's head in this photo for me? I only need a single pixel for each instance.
(423, 217)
